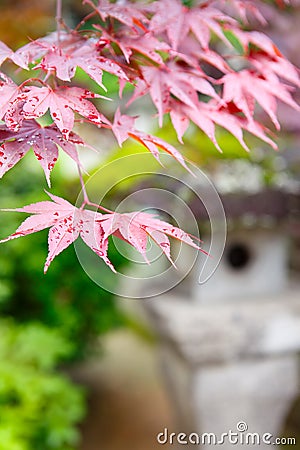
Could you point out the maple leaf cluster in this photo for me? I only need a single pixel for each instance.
(197, 64)
(67, 223)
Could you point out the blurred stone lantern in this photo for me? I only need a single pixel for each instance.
(255, 259)
(229, 346)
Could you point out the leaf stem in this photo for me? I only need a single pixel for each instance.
(58, 18)
(86, 200)
(85, 19)
(100, 207)
(85, 195)
(30, 80)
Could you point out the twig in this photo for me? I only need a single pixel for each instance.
(58, 18)
(85, 19)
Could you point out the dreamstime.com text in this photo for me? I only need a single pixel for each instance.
(241, 436)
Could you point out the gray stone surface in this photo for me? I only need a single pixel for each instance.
(228, 332)
(230, 362)
(255, 392)
(265, 273)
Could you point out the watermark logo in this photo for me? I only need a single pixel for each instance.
(241, 436)
(144, 280)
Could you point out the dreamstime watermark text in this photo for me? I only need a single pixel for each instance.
(240, 436)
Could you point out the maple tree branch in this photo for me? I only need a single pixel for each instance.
(58, 18)
(166, 62)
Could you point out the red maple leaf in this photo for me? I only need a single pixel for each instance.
(246, 8)
(43, 140)
(259, 40)
(67, 223)
(123, 128)
(8, 53)
(145, 44)
(132, 43)
(245, 87)
(5, 53)
(126, 13)
(85, 56)
(190, 52)
(62, 102)
(208, 115)
(164, 81)
(9, 93)
(268, 66)
(65, 54)
(135, 228)
(35, 50)
(177, 21)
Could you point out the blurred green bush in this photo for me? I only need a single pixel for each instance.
(46, 321)
(65, 298)
(39, 408)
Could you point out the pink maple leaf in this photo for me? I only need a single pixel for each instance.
(245, 87)
(145, 44)
(135, 228)
(9, 92)
(211, 114)
(164, 81)
(266, 57)
(235, 124)
(43, 140)
(123, 128)
(5, 53)
(62, 102)
(259, 40)
(128, 41)
(85, 56)
(177, 21)
(35, 50)
(246, 8)
(66, 223)
(126, 13)
(190, 52)
(268, 66)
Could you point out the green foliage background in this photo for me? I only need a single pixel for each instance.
(46, 323)
(38, 406)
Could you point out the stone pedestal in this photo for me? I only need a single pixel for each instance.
(230, 363)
